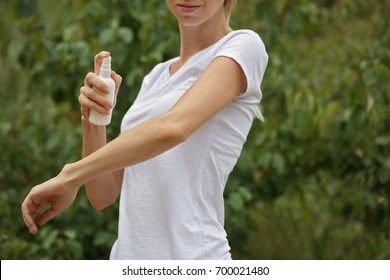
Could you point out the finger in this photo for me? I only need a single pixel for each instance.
(28, 216)
(118, 81)
(29, 222)
(88, 104)
(99, 60)
(90, 99)
(93, 81)
(96, 96)
(117, 78)
(85, 110)
(47, 216)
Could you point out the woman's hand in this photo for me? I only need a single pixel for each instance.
(91, 93)
(53, 193)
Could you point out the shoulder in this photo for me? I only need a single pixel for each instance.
(245, 37)
(247, 49)
(243, 43)
(245, 33)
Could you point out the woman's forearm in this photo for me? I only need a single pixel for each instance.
(141, 143)
(94, 137)
(103, 190)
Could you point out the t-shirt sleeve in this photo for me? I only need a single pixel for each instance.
(248, 50)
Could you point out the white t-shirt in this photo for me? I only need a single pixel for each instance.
(171, 206)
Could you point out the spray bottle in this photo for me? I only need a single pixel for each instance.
(105, 76)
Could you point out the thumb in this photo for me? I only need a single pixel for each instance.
(47, 216)
(118, 80)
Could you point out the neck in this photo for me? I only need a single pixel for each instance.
(195, 39)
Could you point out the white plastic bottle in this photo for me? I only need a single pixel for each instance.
(105, 76)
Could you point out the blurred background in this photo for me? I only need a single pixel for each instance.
(313, 181)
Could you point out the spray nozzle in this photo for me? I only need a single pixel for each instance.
(106, 67)
(106, 63)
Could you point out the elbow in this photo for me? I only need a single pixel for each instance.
(99, 202)
(100, 205)
(171, 132)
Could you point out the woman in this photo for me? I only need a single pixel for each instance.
(178, 143)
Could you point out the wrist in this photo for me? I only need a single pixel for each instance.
(90, 127)
(71, 177)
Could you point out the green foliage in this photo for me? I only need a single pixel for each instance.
(313, 181)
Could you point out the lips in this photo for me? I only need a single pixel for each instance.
(188, 8)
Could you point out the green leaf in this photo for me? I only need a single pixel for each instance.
(125, 34)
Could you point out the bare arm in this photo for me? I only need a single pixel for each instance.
(103, 190)
(217, 87)
(222, 81)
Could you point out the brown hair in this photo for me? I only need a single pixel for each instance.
(229, 6)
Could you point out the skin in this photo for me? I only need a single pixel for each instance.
(201, 23)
